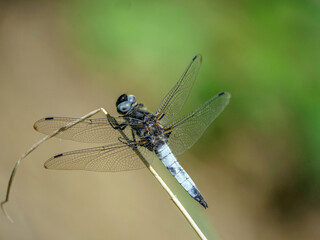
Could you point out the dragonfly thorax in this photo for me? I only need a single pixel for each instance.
(147, 128)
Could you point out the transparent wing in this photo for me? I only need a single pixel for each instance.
(110, 158)
(96, 130)
(187, 130)
(173, 102)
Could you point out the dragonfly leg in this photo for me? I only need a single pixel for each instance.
(133, 137)
(116, 125)
(131, 143)
(122, 126)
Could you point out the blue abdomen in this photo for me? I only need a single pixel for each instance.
(170, 162)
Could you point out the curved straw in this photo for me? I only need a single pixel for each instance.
(13, 173)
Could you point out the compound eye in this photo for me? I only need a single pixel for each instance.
(124, 107)
(132, 99)
(122, 98)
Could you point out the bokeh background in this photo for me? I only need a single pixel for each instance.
(257, 166)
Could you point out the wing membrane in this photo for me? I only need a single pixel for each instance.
(188, 129)
(110, 158)
(173, 102)
(96, 130)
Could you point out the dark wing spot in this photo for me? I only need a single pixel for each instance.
(59, 155)
(220, 94)
(197, 56)
(48, 118)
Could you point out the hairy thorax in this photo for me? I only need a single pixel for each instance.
(149, 131)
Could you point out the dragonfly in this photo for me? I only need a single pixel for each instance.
(137, 137)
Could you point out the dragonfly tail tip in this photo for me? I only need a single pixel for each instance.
(204, 203)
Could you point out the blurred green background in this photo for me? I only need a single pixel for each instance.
(257, 166)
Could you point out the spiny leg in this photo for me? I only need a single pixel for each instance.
(130, 143)
(116, 125)
(60, 130)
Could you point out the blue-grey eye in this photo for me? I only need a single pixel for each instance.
(122, 98)
(132, 99)
(124, 107)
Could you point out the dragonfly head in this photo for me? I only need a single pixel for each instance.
(125, 102)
